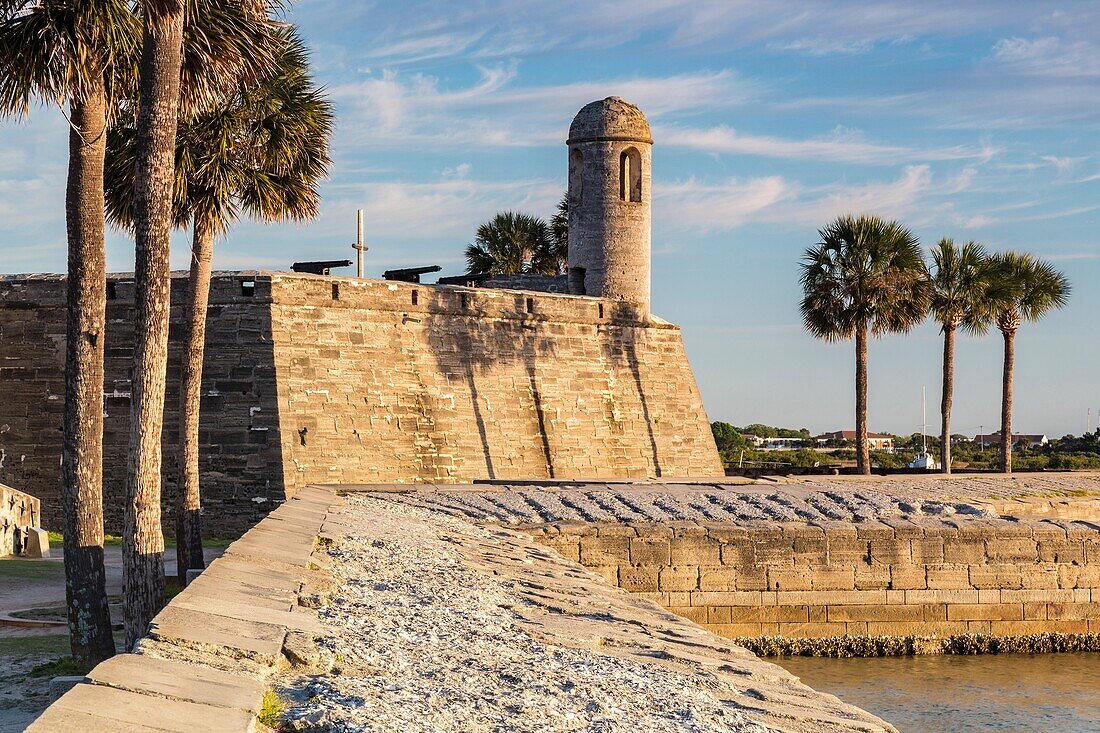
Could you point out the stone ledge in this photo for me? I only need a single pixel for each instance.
(203, 664)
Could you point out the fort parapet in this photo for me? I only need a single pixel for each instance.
(313, 379)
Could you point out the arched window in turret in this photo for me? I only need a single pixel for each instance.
(630, 175)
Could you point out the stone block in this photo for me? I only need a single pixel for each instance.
(679, 578)
(721, 577)
(733, 598)
(875, 612)
(650, 551)
(872, 577)
(907, 577)
(948, 576)
(1073, 611)
(916, 628)
(995, 576)
(698, 614)
(847, 550)
(927, 550)
(695, 550)
(604, 551)
(752, 579)
(985, 612)
(833, 577)
(807, 630)
(639, 578)
(941, 596)
(964, 551)
(1025, 628)
(890, 552)
(830, 597)
(36, 542)
(1011, 549)
(789, 578)
(720, 615)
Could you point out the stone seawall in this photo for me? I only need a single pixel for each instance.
(884, 579)
(325, 379)
(840, 560)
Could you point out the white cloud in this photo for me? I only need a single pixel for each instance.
(842, 145)
(1049, 57)
(717, 206)
(390, 108)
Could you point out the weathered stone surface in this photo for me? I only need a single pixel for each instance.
(180, 681)
(87, 708)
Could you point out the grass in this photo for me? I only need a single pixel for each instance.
(111, 540)
(56, 645)
(64, 666)
(31, 570)
(271, 709)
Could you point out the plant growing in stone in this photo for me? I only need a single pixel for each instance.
(960, 282)
(261, 149)
(1021, 288)
(865, 277)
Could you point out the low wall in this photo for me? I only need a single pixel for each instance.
(963, 576)
(18, 513)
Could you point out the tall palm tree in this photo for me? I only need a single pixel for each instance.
(1022, 288)
(960, 284)
(163, 63)
(866, 276)
(261, 151)
(510, 244)
(80, 54)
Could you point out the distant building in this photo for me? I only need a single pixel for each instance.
(1030, 440)
(876, 441)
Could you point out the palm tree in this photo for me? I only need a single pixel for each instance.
(558, 253)
(866, 275)
(163, 62)
(510, 244)
(1022, 288)
(79, 54)
(262, 151)
(960, 284)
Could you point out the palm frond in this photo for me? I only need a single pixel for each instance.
(865, 273)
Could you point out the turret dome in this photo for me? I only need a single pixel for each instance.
(612, 118)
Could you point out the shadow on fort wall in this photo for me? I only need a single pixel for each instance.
(240, 456)
(622, 350)
(485, 345)
(476, 351)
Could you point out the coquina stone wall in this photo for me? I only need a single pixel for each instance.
(317, 379)
(979, 576)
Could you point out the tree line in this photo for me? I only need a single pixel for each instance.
(181, 113)
(869, 277)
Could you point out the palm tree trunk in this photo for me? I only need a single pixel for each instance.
(948, 397)
(189, 501)
(863, 454)
(143, 541)
(82, 430)
(1006, 400)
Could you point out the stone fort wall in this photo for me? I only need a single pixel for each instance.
(898, 579)
(310, 379)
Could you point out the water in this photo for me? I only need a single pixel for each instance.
(1022, 693)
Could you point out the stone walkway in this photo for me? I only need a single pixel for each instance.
(820, 499)
(441, 625)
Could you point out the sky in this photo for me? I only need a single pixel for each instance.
(973, 120)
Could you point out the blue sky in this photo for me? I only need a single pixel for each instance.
(972, 120)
